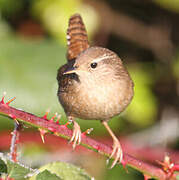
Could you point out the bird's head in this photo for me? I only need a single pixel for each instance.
(96, 62)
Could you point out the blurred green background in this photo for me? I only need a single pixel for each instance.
(143, 33)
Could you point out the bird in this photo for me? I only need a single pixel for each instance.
(93, 84)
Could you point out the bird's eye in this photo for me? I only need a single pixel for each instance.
(94, 65)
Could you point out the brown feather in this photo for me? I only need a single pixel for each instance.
(77, 38)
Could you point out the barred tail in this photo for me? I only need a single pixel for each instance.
(77, 38)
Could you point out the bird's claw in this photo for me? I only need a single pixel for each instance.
(76, 137)
(116, 153)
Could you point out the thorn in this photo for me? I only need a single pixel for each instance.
(16, 121)
(52, 129)
(46, 114)
(2, 100)
(88, 131)
(166, 163)
(69, 122)
(14, 118)
(167, 166)
(96, 147)
(42, 133)
(175, 168)
(146, 177)
(42, 137)
(167, 159)
(10, 100)
(124, 165)
(52, 119)
(58, 119)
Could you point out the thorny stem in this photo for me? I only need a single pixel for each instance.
(63, 131)
(14, 141)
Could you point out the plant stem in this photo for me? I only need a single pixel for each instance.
(63, 131)
(14, 142)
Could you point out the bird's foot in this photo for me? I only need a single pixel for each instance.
(117, 153)
(76, 137)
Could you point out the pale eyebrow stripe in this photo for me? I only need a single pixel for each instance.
(101, 58)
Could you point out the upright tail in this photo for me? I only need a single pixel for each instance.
(77, 38)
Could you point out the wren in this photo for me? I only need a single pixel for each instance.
(93, 85)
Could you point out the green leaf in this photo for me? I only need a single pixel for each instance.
(177, 177)
(28, 70)
(3, 167)
(170, 5)
(47, 175)
(144, 101)
(17, 171)
(56, 22)
(65, 171)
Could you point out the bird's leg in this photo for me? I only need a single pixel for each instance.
(76, 137)
(117, 150)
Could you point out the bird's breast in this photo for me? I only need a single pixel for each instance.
(92, 100)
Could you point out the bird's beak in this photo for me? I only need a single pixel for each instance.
(70, 70)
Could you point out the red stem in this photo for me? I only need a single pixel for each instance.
(14, 142)
(63, 131)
